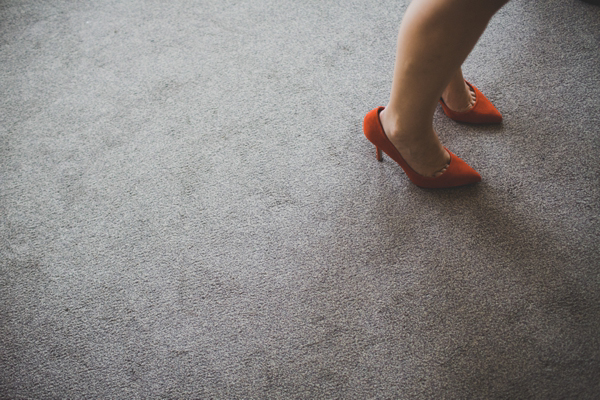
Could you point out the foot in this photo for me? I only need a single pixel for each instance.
(458, 96)
(422, 151)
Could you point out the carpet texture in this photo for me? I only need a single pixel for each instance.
(189, 208)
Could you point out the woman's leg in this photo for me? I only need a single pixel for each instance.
(457, 95)
(434, 39)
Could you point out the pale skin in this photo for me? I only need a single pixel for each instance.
(434, 39)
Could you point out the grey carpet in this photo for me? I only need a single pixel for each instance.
(189, 208)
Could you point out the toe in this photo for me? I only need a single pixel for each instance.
(441, 171)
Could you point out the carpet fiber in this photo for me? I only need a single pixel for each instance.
(189, 208)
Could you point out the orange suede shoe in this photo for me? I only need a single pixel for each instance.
(482, 112)
(458, 173)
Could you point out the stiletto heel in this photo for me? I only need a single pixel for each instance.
(378, 155)
(458, 172)
(482, 112)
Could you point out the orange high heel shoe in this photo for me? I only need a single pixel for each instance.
(482, 112)
(458, 173)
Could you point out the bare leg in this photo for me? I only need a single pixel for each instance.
(458, 95)
(434, 39)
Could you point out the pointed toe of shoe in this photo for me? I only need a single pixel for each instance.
(494, 116)
(459, 173)
(482, 112)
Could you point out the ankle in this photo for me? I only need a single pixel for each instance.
(388, 122)
(396, 128)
